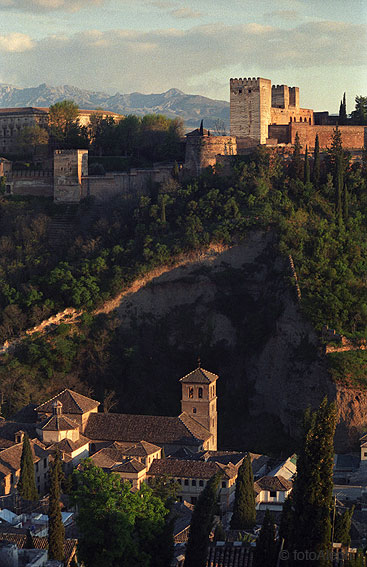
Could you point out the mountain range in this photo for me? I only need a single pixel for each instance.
(173, 103)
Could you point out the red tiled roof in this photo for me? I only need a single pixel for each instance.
(72, 402)
(190, 469)
(155, 429)
(59, 423)
(69, 446)
(199, 376)
(274, 483)
(131, 466)
(10, 458)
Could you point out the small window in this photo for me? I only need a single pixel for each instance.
(273, 494)
(193, 483)
(191, 392)
(365, 453)
(193, 410)
(178, 480)
(200, 392)
(36, 467)
(45, 463)
(224, 484)
(201, 483)
(240, 91)
(186, 482)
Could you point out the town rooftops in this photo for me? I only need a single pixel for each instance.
(10, 458)
(129, 466)
(199, 376)
(190, 469)
(72, 402)
(69, 446)
(273, 483)
(155, 429)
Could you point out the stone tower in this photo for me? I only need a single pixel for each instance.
(199, 400)
(250, 109)
(69, 168)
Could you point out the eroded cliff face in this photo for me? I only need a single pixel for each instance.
(239, 312)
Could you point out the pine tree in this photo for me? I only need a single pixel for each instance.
(316, 162)
(313, 488)
(56, 530)
(244, 511)
(27, 484)
(266, 545)
(306, 171)
(201, 524)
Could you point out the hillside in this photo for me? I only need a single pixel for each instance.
(173, 103)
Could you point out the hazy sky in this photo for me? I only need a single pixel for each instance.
(196, 46)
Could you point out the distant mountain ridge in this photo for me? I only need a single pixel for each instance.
(173, 103)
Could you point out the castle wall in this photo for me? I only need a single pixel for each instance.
(291, 114)
(250, 104)
(353, 137)
(34, 183)
(280, 133)
(69, 168)
(202, 151)
(131, 184)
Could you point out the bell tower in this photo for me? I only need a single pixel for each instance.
(199, 400)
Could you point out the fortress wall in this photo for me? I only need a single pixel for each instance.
(279, 132)
(291, 114)
(202, 151)
(353, 137)
(34, 186)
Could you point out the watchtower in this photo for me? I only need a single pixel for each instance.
(199, 400)
(250, 109)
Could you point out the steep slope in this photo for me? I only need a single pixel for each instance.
(173, 103)
(240, 314)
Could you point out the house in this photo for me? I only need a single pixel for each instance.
(10, 459)
(271, 492)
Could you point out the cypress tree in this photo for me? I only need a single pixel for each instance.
(56, 530)
(266, 545)
(306, 171)
(339, 186)
(27, 484)
(244, 511)
(343, 111)
(316, 162)
(313, 488)
(296, 163)
(346, 203)
(342, 527)
(201, 524)
(219, 533)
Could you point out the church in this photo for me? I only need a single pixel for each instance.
(136, 447)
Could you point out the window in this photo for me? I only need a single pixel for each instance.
(193, 483)
(224, 484)
(45, 463)
(365, 453)
(36, 467)
(201, 483)
(191, 392)
(178, 480)
(273, 494)
(200, 392)
(193, 410)
(186, 482)
(240, 91)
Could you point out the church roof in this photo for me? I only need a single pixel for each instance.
(72, 402)
(155, 429)
(199, 376)
(59, 423)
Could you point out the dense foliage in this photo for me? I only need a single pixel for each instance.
(119, 527)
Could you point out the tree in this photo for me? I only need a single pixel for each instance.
(117, 527)
(219, 532)
(343, 522)
(296, 165)
(266, 545)
(30, 137)
(201, 524)
(27, 483)
(359, 115)
(244, 511)
(313, 488)
(56, 530)
(343, 118)
(306, 173)
(316, 162)
(64, 125)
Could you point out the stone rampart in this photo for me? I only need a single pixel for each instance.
(30, 182)
(353, 137)
(202, 151)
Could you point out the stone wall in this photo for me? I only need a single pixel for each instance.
(131, 184)
(69, 168)
(353, 137)
(202, 151)
(28, 182)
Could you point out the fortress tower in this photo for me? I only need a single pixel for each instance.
(199, 400)
(250, 109)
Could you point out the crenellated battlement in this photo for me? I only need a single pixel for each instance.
(246, 82)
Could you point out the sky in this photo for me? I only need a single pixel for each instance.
(151, 46)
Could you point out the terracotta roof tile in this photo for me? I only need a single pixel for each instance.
(69, 446)
(277, 483)
(130, 466)
(11, 457)
(189, 469)
(72, 402)
(158, 430)
(59, 423)
(199, 376)
(194, 427)
(39, 543)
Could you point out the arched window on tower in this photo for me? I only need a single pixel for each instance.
(191, 392)
(200, 392)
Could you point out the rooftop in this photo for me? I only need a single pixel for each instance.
(273, 483)
(199, 376)
(72, 402)
(59, 423)
(190, 469)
